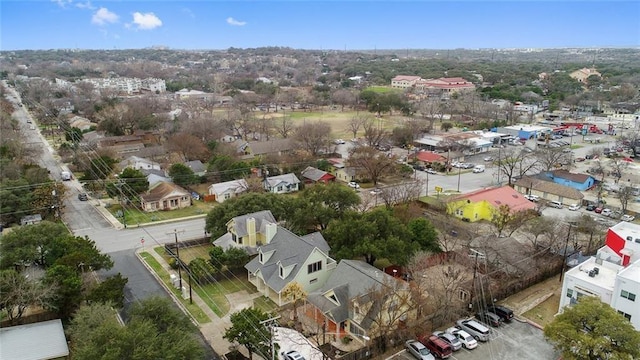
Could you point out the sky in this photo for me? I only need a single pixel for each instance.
(300, 24)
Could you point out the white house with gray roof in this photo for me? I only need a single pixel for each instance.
(246, 231)
(226, 190)
(286, 258)
(280, 184)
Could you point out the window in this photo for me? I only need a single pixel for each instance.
(628, 295)
(316, 266)
(463, 295)
(459, 212)
(261, 259)
(281, 272)
(313, 281)
(569, 293)
(627, 316)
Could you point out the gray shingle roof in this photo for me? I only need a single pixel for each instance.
(262, 217)
(350, 279)
(288, 250)
(289, 178)
(547, 186)
(271, 146)
(196, 166)
(313, 173)
(237, 186)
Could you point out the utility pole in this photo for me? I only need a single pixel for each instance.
(564, 255)
(175, 233)
(475, 273)
(271, 325)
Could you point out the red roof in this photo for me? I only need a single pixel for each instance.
(428, 156)
(505, 195)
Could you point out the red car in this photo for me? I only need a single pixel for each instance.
(598, 210)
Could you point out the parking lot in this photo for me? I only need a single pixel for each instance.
(515, 340)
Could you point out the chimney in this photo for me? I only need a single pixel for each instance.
(271, 230)
(251, 231)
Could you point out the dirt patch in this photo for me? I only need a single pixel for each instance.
(545, 312)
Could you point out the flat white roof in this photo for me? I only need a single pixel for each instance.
(631, 272)
(526, 127)
(42, 340)
(605, 278)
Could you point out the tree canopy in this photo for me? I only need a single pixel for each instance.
(247, 330)
(593, 330)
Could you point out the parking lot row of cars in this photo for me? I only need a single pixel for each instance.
(466, 334)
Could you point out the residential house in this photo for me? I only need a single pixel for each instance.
(429, 157)
(227, 190)
(31, 219)
(139, 163)
(613, 275)
(263, 148)
(40, 340)
(580, 182)
(246, 231)
(287, 258)
(583, 74)
(483, 204)
(312, 175)
(341, 171)
(165, 196)
(282, 183)
(548, 190)
(197, 167)
(155, 176)
(356, 299)
(445, 85)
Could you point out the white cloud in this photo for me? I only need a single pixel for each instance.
(62, 3)
(104, 16)
(234, 22)
(188, 12)
(146, 21)
(85, 5)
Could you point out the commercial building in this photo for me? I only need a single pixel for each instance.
(613, 275)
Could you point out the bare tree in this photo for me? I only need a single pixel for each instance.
(617, 166)
(356, 123)
(401, 193)
(343, 97)
(313, 136)
(284, 126)
(188, 146)
(373, 134)
(625, 194)
(21, 292)
(538, 227)
(550, 158)
(373, 164)
(584, 224)
(513, 162)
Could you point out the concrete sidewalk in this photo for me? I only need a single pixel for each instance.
(213, 330)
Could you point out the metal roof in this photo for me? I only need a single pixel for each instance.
(38, 341)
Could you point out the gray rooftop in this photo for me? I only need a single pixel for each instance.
(37, 341)
(289, 178)
(289, 250)
(313, 173)
(262, 217)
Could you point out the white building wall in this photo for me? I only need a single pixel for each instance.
(628, 280)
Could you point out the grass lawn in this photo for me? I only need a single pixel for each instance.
(265, 304)
(381, 89)
(135, 216)
(193, 309)
(544, 313)
(576, 146)
(187, 254)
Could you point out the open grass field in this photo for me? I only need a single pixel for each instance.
(135, 217)
(382, 89)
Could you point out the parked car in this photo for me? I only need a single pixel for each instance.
(533, 198)
(475, 329)
(504, 312)
(489, 158)
(431, 171)
(598, 210)
(437, 346)
(590, 207)
(580, 159)
(467, 340)
(478, 169)
(574, 207)
(83, 197)
(605, 212)
(418, 350)
(339, 142)
(292, 355)
(627, 218)
(353, 184)
(375, 191)
(451, 339)
(468, 166)
(555, 204)
(489, 318)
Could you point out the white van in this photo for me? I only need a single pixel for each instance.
(475, 329)
(478, 169)
(556, 204)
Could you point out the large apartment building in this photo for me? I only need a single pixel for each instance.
(613, 274)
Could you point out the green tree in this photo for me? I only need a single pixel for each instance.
(247, 331)
(372, 235)
(320, 204)
(109, 291)
(593, 330)
(424, 235)
(76, 252)
(446, 126)
(69, 289)
(74, 135)
(202, 271)
(99, 168)
(182, 175)
(135, 181)
(24, 244)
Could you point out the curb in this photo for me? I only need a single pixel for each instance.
(166, 288)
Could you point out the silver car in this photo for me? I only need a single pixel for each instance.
(449, 339)
(419, 351)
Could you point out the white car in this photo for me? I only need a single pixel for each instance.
(450, 339)
(419, 351)
(627, 218)
(605, 212)
(339, 142)
(467, 340)
(488, 158)
(375, 191)
(353, 184)
(574, 207)
(292, 355)
(533, 198)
